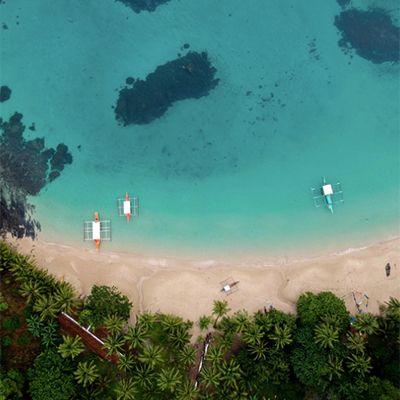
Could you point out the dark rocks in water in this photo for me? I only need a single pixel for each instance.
(186, 45)
(129, 80)
(15, 216)
(60, 157)
(24, 166)
(25, 163)
(53, 175)
(370, 33)
(5, 93)
(343, 3)
(191, 76)
(143, 5)
(32, 127)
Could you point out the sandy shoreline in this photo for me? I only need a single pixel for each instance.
(188, 287)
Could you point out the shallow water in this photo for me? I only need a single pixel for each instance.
(229, 172)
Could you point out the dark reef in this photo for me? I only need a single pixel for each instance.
(191, 76)
(143, 5)
(26, 166)
(371, 34)
(343, 3)
(5, 93)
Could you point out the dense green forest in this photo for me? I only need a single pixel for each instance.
(321, 353)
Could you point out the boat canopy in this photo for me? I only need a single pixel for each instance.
(327, 190)
(127, 207)
(96, 230)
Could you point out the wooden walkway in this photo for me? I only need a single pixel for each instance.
(91, 341)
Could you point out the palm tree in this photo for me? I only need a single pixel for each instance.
(335, 368)
(86, 373)
(326, 335)
(152, 355)
(125, 389)
(210, 376)
(135, 336)
(179, 337)
(187, 355)
(71, 347)
(359, 363)
(114, 324)
(355, 342)
(186, 391)
(391, 309)
(366, 323)
(46, 307)
(114, 344)
(231, 373)
(252, 334)
(220, 308)
(35, 325)
(65, 297)
(31, 290)
(168, 379)
(241, 320)
(258, 349)
(170, 322)
(50, 334)
(146, 321)
(215, 354)
(144, 376)
(126, 362)
(282, 336)
(204, 322)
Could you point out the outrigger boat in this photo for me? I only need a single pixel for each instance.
(97, 230)
(228, 286)
(128, 207)
(327, 194)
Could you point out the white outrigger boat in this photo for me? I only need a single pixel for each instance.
(327, 194)
(128, 207)
(97, 230)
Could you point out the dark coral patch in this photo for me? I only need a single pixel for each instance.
(143, 5)
(5, 93)
(191, 76)
(25, 170)
(371, 34)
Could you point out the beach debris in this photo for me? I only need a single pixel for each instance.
(361, 301)
(128, 207)
(229, 285)
(188, 77)
(97, 230)
(387, 269)
(327, 194)
(269, 307)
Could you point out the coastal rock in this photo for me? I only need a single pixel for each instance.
(5, 93)
(24, 166)
(143, 5)
(370, 33)
(191, 76)
(16, 216)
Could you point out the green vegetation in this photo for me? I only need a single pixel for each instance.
(317, 353)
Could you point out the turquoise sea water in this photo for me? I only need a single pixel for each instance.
(229, 172)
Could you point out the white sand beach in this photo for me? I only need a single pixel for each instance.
(188, 287)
